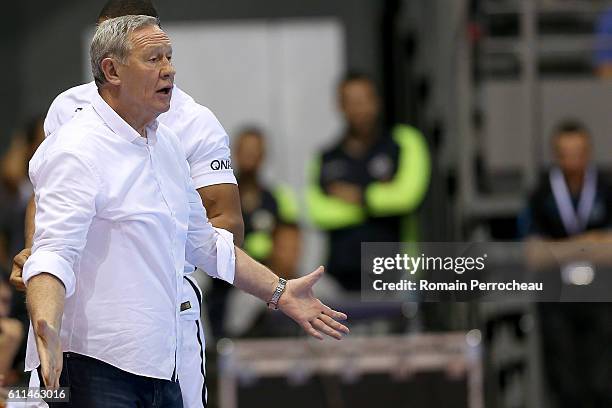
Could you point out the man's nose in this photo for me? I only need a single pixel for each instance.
(168, 70)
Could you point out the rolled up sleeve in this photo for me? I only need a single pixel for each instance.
(66, 188)
(50, 262)
(209, 248)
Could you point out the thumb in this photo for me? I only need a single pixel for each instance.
(313, 277)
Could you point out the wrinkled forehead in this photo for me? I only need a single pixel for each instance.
(149, 37)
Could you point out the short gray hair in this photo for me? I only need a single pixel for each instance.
(112, 40)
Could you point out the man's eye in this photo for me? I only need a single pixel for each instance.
(153, 59)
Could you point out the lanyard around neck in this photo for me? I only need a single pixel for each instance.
(574, 221)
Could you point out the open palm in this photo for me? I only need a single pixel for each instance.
(298, 302)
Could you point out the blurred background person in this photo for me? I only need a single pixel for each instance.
(266, 210)
(271, 235)
(16, 189)
(603, 44)
(368, 186)
(11, 335)
(570, 208)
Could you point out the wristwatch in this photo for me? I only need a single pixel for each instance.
(280, 288)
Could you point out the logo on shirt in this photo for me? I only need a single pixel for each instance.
(221, 164)
(381, 167)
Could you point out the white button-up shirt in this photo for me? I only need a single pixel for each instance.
(204, 141)
(116, 217)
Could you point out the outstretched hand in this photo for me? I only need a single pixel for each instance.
(298, 302)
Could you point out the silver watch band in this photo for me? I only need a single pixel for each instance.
(280, 288)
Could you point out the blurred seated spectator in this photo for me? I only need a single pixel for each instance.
(15, 192)
(572, 206)
(15, 187)
(603, 45)
(271, 235)
(265, 210)
(369, 184)
(11, 334)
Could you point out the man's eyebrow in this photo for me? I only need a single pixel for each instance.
(157, 47)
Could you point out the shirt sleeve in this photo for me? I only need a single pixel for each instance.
(53, 119)
(209, 248)
(407, 190)
(326, 211)
(207, 148)
(66, 188)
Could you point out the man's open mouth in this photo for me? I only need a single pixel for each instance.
(165, 90)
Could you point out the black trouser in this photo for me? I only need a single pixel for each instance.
(95, 384)
(577, 353)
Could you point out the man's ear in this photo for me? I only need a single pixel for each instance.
(111, 70)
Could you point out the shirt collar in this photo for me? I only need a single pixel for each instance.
(120, 126)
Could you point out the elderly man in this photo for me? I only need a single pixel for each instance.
(205, 143)
(116, 217)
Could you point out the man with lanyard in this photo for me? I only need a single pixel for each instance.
(104, 280)
(573, 206)
(205, 143)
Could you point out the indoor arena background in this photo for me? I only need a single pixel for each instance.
(487, 83)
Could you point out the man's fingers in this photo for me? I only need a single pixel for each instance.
(16, 279)
(334, 324)
(58, 372)
(17, 282)
(311, 331)
(321, 326)
(46, 371)
(51, 370)
(21, 258)
(50, 353)
(334, 314)
(18, 261)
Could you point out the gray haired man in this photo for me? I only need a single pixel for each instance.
(117, 216)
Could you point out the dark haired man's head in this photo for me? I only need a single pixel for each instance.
(359, 102)
(120, 8)
(571, 143)
(249, 151)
